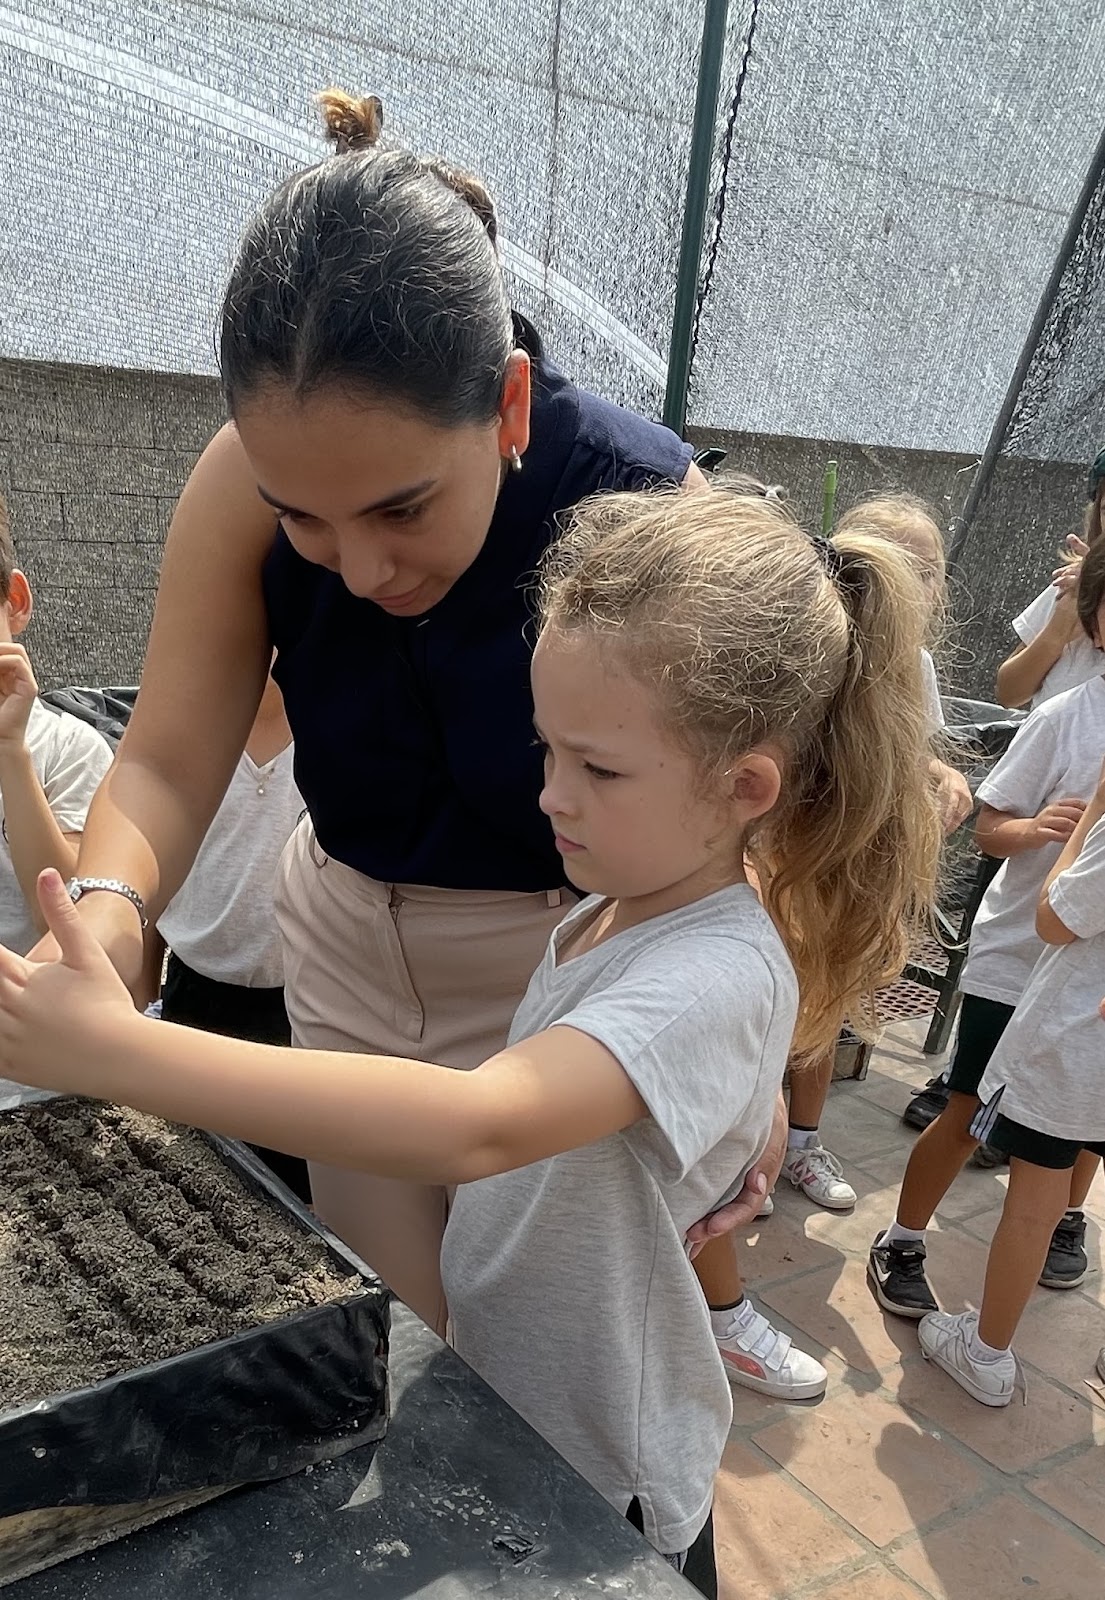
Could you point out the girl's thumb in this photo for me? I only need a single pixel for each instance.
(74, 940)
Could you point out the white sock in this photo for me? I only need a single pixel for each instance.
(896, 1234)
(733, 1317)
(980, 1351)
(801, 1138)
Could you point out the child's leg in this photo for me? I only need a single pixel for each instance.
(809, 1089)
(1036, 1200)
(975, 1349)
(808, 1165)
(1081, 1179)
(935, 1162)
(1067, 1263)
(719, 1274)
(896, 1264)
(755, 1354)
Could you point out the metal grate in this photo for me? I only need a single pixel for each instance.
(903, 1001)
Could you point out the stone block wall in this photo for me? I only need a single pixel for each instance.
(91, 464)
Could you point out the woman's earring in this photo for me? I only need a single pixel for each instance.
(515, 459)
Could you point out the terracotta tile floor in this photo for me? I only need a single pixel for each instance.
(897, 1486)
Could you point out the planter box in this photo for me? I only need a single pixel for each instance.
(301, 1379)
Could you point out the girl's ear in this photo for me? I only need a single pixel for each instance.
(755, 782)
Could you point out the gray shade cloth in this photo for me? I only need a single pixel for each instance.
(900, 181)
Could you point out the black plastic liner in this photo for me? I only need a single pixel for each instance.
(256, 1406)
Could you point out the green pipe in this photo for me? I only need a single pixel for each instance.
(711, 57)
(828, 499)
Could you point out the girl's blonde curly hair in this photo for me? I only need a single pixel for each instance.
(722, 604)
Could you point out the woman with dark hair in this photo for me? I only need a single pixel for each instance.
(398, 455)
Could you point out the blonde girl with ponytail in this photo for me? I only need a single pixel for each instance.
(708, 683)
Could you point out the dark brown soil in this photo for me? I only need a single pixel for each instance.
(124, 1240)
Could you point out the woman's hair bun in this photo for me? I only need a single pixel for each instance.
(351, 123)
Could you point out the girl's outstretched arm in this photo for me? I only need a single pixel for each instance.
(71, 1025)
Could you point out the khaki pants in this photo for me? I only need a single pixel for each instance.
(400, 970)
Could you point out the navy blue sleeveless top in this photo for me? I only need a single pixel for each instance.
(414, 742)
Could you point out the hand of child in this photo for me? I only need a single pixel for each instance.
(49, 1012)
(1056, 822)
(759, 1181)
(18, 691)
(953, 797)
(1065, 578)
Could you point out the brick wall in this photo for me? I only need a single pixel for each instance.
(91, 463)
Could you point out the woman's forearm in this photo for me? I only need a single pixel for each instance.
(144, 828)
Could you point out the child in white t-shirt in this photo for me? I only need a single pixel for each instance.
(1055, 653)
(51, 764)
(225, 971)
(708, 682)
(1043, 1096)
(1032, 802)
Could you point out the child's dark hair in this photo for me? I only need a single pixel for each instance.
(1091, 588)
(376, 272)
(7, 552)
(1095, 511)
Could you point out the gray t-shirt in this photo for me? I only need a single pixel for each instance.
(1050, 1062)
(568, 1282)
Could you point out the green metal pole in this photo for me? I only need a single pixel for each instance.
(711, 56)
(828, 499)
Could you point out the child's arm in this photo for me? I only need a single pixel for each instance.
(1001, 834)
(34, 837)
(71, 1025)
(1049, 925)
(1022, 673)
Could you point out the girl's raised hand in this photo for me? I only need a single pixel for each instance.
(49, 1011)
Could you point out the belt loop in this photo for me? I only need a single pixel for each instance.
(555, 897)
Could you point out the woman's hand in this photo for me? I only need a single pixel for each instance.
(760, 1181)
(51, 1009)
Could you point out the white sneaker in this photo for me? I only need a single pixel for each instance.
(946, 1339)
(760, 1357)
(818, 1175)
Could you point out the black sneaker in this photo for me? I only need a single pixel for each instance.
(1067, 1263)
(926, 1104)
(897, 1272)
(988, 1156)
